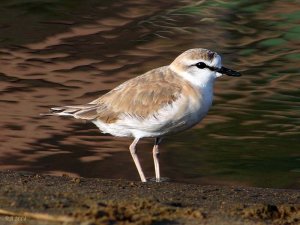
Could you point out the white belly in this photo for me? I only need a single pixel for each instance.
(184, 113)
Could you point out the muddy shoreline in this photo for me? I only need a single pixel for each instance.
(28, 198)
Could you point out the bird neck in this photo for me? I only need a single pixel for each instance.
(199, 81)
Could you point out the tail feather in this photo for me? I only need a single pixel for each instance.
(86, 112)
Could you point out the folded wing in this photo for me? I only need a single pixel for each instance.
(138, 97)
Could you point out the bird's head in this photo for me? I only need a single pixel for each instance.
(200, 66)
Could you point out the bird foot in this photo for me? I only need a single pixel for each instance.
(162, 179)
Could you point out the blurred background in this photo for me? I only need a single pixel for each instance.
(55, 52)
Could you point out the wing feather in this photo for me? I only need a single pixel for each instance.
(139, 97)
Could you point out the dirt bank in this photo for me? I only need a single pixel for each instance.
(30, 199)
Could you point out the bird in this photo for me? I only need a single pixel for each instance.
(156, 104)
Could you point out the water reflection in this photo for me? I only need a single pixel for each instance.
(70, 53)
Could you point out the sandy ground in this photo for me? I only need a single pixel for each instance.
(31, 199)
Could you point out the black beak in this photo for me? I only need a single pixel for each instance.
(228, 72)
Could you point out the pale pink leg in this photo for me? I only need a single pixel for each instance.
(132, 149)
(155, 158)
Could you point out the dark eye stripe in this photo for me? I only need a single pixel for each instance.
(202, 65)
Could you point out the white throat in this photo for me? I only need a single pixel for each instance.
(200, 80)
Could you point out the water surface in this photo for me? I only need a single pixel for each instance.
(70, 52)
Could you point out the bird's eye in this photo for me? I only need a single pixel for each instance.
(201, 65)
